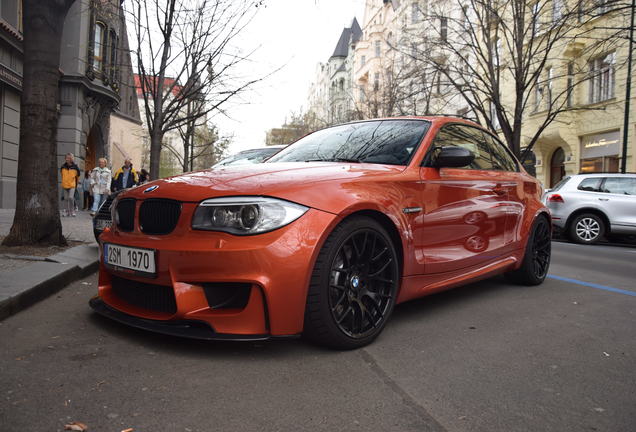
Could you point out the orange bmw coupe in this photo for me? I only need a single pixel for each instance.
(326, 237)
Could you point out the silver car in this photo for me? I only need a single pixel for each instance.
(587, 207)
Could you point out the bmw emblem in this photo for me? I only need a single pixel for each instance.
(355, 282)
(151, 188)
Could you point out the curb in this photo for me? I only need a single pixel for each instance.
(26, 286)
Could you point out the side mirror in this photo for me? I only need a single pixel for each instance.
(453, 157)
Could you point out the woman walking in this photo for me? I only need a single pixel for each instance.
(101, 178)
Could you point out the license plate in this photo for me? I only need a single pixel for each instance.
(100, 224)
(123, 257)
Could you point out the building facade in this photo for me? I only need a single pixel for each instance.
(10, 91)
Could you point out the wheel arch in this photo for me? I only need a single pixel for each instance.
(593, 210)
(387, 223)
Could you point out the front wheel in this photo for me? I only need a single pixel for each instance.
(536, 260)
(353, 285)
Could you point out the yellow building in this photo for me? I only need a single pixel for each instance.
(589, 74)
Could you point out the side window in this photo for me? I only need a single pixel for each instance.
(590, 184)
(622, 186)
(501, 158)
(469, 138)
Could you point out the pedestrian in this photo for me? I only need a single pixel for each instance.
(86, 187)
(70, 175)
(101, 179)
(125, 177)
(144, 176)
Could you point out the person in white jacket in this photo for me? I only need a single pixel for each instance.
(101, 178)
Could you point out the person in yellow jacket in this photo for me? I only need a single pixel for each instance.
(70, 174)
(125, 177)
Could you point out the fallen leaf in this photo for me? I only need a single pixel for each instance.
(128, 430)
(76, 426)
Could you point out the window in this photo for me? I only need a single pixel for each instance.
(376, 81)
(99, 47)
(378, 48)
(557, 10)
(536, 19)
(538, 96)
(502, 160)
(495, 52)
(113, 56)
(493, 116)
(443, 28)
(415, 13)
(363, 60)
(11, 11)
(464, 18)
(548, 84)
(619, 185)
(592, 184)
(469, 138)
(602, 79)
(570, 84)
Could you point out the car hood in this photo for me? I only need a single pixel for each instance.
(323, 185)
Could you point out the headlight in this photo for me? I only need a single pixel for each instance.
(245, 215)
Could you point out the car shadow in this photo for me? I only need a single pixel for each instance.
(411, 311)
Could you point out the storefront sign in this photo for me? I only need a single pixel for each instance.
(10, 77)
(605, 144)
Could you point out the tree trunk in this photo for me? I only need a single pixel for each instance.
(37, 215)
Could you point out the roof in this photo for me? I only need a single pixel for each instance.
(349, 35)
(167, 82)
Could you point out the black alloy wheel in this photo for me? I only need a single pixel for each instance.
(536, 260)
(354, 285)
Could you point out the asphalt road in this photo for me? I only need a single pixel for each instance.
(485, 357)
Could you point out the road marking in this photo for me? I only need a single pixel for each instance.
(593, 285)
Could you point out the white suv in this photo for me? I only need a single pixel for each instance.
(589, 206)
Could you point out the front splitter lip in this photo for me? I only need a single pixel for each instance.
(192, 329)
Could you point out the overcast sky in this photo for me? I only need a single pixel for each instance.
(294, 34)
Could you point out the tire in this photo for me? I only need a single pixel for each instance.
(536, 259)
(587, 228)
(353, 286)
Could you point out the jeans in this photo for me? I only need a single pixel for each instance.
(97, 199)
(69, 200)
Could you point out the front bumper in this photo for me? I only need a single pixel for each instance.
(275, 266)
(183, 328)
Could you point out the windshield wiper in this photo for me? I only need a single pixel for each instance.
(335, 159)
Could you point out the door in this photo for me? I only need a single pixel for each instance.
(618, 198)
(557, 167)
(465, 209)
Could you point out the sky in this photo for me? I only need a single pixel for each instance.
(294, 35)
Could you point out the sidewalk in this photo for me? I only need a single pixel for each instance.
(36, 273)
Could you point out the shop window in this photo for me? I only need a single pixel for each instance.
(602, 79)
(600, 164)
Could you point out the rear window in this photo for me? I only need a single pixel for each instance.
(591, 184)
(560, 184)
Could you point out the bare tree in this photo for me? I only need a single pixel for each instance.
(186, 62)
(37, 215)
(505, 58)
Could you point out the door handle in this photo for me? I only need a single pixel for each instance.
(603, 199)
(499, 190)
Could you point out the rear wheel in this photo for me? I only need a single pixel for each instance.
(587, 228)
(353, 286)
(536, 260)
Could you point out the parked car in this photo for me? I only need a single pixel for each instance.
(587, 207)
(102, 218)
(251, 156)
(326, 237)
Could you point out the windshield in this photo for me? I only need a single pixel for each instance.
(248, 157)
(390, 142)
